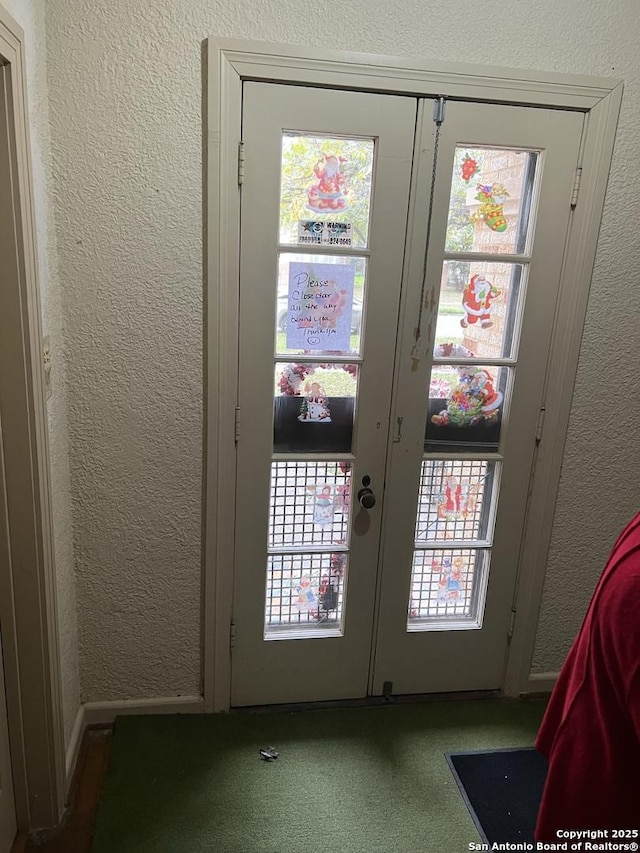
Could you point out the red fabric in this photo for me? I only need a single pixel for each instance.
(591, 729)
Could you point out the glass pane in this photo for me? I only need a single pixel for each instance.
(309, 503)
(455, 500)
(304, 591)
(465, 408)
(320, 302)
(447, 585)
(478, 310)
(490, 202)
(314, 407)
(325, 193)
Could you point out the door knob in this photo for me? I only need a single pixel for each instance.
(366, 498)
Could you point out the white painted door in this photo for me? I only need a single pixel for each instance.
(470, 406)
(395, 314)
(7, 806)
(318, 327)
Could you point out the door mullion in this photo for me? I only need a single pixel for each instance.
(306, 549)
(345, 251)
(451, 544)
(465, 457)
(488, 257)
(488, 362)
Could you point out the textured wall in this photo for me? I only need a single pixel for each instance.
(30, 16)
(125, 89)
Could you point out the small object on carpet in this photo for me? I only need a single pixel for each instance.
(268, 754)
(502, 790)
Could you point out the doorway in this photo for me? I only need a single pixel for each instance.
(27, 589)
(399, 269)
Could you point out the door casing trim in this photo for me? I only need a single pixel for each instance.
(228, 62)
(27, 586)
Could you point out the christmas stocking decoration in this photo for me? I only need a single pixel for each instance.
(491, 210)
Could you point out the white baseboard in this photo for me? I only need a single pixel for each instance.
(540, 682)
(73, 748)
(106, 712)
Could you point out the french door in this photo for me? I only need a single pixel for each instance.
(398, 280)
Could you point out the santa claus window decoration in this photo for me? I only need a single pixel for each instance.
(479, 307)
(476, 302)
(465, 404)
(327, 193)
(455, 499)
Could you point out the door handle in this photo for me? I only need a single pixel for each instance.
(366, 498)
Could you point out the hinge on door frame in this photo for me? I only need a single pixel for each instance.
(576, 187)
(512, 622)
(438, 109)
(540, 424)
(398, 431)
(236, 427)
(232, 634)
(240, 163)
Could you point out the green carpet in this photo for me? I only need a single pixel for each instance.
(363, 780)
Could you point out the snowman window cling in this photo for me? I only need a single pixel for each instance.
(314, 407)
(323, 504)
(476, 301)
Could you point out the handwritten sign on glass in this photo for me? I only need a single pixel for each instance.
(320, 305)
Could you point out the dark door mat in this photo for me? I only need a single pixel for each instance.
(502, 789)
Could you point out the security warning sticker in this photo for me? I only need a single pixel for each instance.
(315, 232)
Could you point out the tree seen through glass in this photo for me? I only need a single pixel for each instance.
(306, 160)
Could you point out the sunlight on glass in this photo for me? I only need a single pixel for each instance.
(320, 304)
(466, 403)
(304, 592)
(314, 407)
(325, 180)
(478, 310)
(446, 584)
(455, 500)
(309, 503)
(491, 198)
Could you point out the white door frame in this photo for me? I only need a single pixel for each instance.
(27, 579)
(232, 61)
